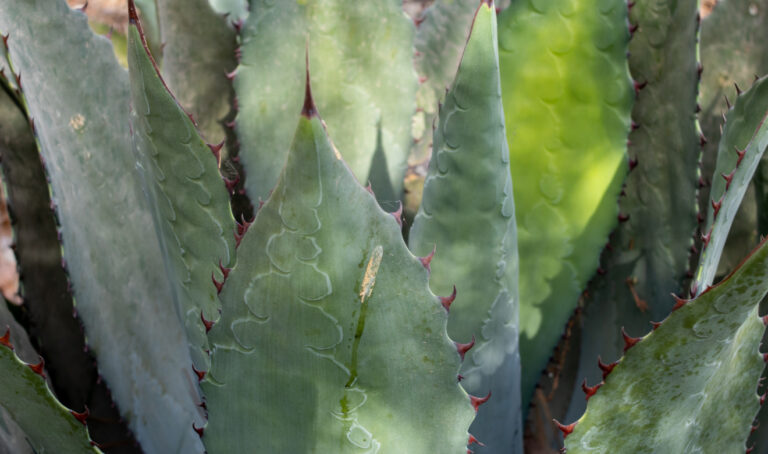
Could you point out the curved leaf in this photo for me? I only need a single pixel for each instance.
(110, 247)
(649, 254)
(189, 201)
(689, 386)
(47, 425)
(467, 215)
(567, 98)
(329, 339)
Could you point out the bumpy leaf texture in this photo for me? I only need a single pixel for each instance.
(467, 215)
(189, 201)
(649, 254)
(689, 386)
(567, 98)
(330, 339)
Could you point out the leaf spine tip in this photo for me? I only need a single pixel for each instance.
(208, 324)
(6, 338)
(629, 341)
(398, 214)
(446, 301)
(82, 417)
(606, 368)
(473, 440)
(477, 401)
(39, 367)
(655, 325)
(566, 430)
(309, 109)
(219, 285)
(426, 260)
(199, 430)
(200, 373)
(464, 348)
(590, 391)
(679, 302)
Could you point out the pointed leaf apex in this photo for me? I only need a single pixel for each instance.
(446, 301)
(477, 401)
(133, 18)
(566, 430)
(309, 109)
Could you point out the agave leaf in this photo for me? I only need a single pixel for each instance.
(110, 248)
(467, 215)
(742, 145)
(441, 34)
(189, 200)
(198, 53)
(43, 282)
(688, 386)
(349, 44)
(329, 339)
(733, 52)
(649, 254)
(47, 425)
(567, 98)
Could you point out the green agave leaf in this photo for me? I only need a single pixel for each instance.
(189, 200)
(567, 99)
(329, 338)
(733, 52)
(649, 254)
(77, 95)
(349, 44)
(43, 285)
(467, 215)
(199, 51)
(689, 386)
(742, 145)
(441, 34)
(47, 425)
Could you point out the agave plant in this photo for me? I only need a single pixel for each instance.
(242, 287)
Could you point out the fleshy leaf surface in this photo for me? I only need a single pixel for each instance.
(649, 254)
(741, 148)
(349, 44)
(188, 197)
(198, 52)
(77, 95)
(567, 98)
(330, 339)
(688, 386)
(48, 425)
(441, 34)
(467, 216)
